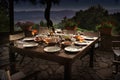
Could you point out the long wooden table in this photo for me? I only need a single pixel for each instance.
(62, 57)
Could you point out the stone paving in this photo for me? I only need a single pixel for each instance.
(48, 70)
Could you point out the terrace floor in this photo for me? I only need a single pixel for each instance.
(102, 69)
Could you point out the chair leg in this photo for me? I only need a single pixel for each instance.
(115, 57)
(117, 76)
(116, 69)
(116, 63)
(22, 59)
(16, 55)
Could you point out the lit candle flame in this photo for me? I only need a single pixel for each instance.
(34, 32)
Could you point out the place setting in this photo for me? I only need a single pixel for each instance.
(30, 44)
(78, 43)
(23, 44)
(28, 39)
(89, 38)
(27, 42)
(72, 49)
(52, 49)
(53, 44)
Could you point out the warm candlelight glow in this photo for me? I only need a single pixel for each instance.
(47, 40)
(34, 32)
(79, 38)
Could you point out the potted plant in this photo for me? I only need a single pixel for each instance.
(26, 27)
(69, 24)
(105, 28)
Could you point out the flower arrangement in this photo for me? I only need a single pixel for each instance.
(25, 26)
(105, 28)
(29, 28)
(69, 24)
(104, 25)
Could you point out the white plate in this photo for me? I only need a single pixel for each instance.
(30, 44)
(81, 43)
(28, 39)
(89, 38)
(52, 49)
(72, 49)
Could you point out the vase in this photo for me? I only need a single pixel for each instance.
(105, 38)
(105, 31)
(28, 33)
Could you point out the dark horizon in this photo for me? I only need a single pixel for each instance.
(70, 5)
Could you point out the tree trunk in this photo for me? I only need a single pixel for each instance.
(47, 15)
(11, 15)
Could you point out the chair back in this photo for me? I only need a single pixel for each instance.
(116, 41)
(18, 36)
(116, 45)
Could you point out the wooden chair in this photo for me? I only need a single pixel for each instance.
(116, 51)
(3, 61)
(14, 38)
(5, 75)
(117, 76)
(4, 41)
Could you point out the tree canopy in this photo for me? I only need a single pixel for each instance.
(4, 16)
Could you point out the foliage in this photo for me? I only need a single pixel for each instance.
(93, 18)
(68, 22)
(4, 18)
(4, 22)
(48, 4)
(116, 17)
(90, 17)
(35, 26)
(25, 26)
(104, 25)
(43, 24)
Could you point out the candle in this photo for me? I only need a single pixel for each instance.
(34, 32)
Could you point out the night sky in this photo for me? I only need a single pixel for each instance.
(70, 5)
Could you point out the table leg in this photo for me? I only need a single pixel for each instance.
(91, 53)
(67, 71)
(12, 61)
